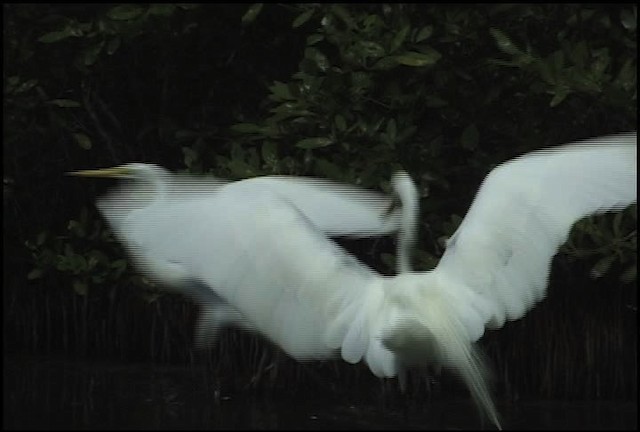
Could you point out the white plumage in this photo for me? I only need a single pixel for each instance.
(258, 255)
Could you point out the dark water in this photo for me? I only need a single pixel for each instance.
(59, 394)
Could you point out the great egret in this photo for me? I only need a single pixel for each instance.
(335, 209)
(273, 269)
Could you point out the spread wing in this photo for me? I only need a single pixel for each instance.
(524, 212)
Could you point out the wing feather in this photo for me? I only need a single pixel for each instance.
(334, 208)
(263, 256)
(524, 211)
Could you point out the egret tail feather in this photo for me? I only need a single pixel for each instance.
(426, 329)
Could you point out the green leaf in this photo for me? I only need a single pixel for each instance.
(312, 143)
(470, 137)
(237, 152)
(240, 168)
(26, 86)
(400, 37)
(416, 59)
(340, 122)
(629, 19)
(252, 13)
(557, 59)
(82, 140)
(452, 224)
(55, 36)
(162, 9)
(371, 49)
(424, 33)
(328, 169)
(560, 95)
(62, 263)
(119, 266)
(96, 279)
(314, 38)
(269, 151)
(361, 80)
(602, 266)
(583, 15)
(386, 63)
(503, 42)
(302, 18)
(285, 111)
(601, 62)
(627, 77)
(150, 297)
(317, 57)
(35, 274)
(190, 156)
(546, 72)
(246, 128)
(426, 260)
(125, 12)
(91, 54)
(281, 91)
(617, 224)
(64, 103)
(76, 228)
(79, 264)
(343, 13)
(579, 53)
(92, 262)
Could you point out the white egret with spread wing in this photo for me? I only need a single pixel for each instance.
(264, 250)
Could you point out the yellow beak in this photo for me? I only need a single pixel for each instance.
(115, 172)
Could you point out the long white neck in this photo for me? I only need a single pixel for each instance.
(153, 183)
(407, 192)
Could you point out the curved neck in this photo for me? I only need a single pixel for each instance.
(407, 192)
(149, 184)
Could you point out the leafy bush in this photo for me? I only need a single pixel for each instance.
(427, 89)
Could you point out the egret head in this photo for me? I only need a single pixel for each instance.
(143, 184)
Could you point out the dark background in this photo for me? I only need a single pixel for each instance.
(351, 92)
